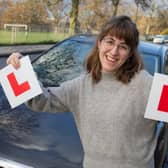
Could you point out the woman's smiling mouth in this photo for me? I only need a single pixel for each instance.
(111, 59)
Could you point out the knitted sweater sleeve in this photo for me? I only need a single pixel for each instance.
(57, 99)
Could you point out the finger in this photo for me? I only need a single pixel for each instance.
(19, 55)
(15, 63)
(14, 60)
(8, 61)
(13, 56)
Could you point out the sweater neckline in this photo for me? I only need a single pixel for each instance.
(107, 76)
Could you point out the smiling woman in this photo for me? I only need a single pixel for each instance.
(116, 51)
(107, 106)
(112, 53)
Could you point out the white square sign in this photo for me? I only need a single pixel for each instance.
(19, 85)
(157, 106)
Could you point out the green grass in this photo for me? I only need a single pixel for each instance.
(30, 37)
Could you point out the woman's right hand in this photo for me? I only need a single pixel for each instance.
(14, 59)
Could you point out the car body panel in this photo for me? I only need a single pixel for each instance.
(47, 140)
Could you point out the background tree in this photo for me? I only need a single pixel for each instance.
(139, 3)
(149, 15)
(26, 12)
(162, 19)
(73, 13)
(93, 14)
(144, 4)
(4, 5)
(115, 4)
(150, 18)
(74, 23)
(58, 10)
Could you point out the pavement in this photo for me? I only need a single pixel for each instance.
(7, 50)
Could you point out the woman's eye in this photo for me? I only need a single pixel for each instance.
(110, 42)
(124, 47)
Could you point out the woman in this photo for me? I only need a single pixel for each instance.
(108, 102)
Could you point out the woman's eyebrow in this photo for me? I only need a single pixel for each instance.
(112, 38)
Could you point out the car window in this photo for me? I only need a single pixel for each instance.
(63, 62)
(151, 63)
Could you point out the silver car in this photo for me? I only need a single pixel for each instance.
(160, 39)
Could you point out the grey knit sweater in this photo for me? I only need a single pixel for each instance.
(109, 117)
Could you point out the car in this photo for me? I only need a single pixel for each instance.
(149, 37)
(160, 39)
(45, 140)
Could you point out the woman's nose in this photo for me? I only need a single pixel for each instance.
(114, 50)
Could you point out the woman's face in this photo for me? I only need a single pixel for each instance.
(113, 53)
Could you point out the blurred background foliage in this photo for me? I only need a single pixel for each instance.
(53, 18)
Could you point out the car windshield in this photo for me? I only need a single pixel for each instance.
(63, 62)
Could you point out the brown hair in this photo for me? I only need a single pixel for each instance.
(121, 27)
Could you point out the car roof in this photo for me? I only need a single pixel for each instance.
(84, 38)
(151, 48)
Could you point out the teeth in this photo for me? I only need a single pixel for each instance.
(110, 59)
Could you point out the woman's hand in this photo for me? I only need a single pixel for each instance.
(14, 59)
